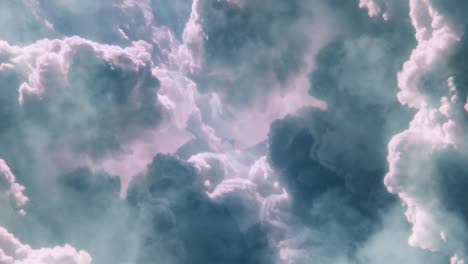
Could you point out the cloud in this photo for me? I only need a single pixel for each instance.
(87, 101)
(244, 53)
(331, 202)
(22, 23)
(213, 168)
(73, 208)
(174, 14)
(425, 160)
(12, 251)
(89, 107)
(233, 131)
(9, 187)
(388, 244)
(332, 162)
(186, 225)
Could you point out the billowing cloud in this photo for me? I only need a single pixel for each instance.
(426, 160)
(179, 223)
(9, 187)
(12, 251)
(233, 131)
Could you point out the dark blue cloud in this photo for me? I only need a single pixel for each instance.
(181, 224)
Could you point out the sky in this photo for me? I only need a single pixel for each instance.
(233, 131)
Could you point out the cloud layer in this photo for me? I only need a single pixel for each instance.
(233, 131)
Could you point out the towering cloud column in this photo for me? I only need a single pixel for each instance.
(427, 162)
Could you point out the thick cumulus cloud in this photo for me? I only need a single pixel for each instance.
(69, 104)
(83, 101)
(427, 160)
(332, 163)
(185, 225)
(232, 131)
(104, 88)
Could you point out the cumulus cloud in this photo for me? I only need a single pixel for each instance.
(12, 251)
(233, 131)
(426, 160)
(9, 187)
(85, 101)
(185, 225)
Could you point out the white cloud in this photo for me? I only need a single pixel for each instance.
(434, 130)
(435, 38)
(10, 188)
(12, 251)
